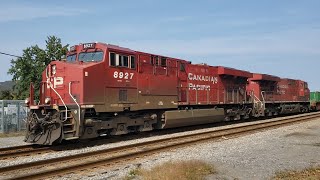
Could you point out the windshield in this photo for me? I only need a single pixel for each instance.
(72, 57)
(91, 56)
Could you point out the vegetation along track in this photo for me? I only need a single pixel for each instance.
(85, 163)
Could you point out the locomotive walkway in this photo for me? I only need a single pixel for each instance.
(87, 162)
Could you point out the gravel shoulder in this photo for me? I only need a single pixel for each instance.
(12, 141)
(254, 156)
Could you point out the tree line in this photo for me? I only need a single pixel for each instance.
(29, 67)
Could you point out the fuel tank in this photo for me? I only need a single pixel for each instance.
(180, 118)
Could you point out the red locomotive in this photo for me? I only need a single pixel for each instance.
(274, 95)
(103, 89)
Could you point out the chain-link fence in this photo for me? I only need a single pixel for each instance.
(12, 115)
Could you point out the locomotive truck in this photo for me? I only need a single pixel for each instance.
(104, 89)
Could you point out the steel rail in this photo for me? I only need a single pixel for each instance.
(14, 148)
(108, 157)
(24, 150)
(14, 152)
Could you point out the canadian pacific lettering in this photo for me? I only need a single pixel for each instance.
(194, 77)
(202, 78)
(198, 87)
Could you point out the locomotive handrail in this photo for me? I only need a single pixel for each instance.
(31, 94)
(75, 102)
(50, 84)
(263, 100)
(255, 98)
(64, 104)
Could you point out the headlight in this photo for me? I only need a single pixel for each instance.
(27, 101)
(53, 69)
(47, 100)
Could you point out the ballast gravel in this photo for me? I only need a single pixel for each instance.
(12, 141)
(255, 156)
(19, 141)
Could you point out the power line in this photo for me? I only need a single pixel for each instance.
(10, 55)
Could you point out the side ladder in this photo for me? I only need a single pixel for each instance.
(258, 105)
(69, 125)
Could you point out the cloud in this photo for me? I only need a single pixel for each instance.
(296, 41)
(24, 12)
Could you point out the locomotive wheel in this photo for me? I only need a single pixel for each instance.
(121, 129)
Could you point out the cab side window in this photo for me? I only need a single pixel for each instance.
(112, 59)
(132, 62)
(121, 60)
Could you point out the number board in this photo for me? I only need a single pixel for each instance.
(89, 46)
(122, 75)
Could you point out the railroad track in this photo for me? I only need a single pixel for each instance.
(25, 150)
(90, 161)
(11, 153)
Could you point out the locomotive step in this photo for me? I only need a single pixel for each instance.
(71, 138)
(67, 132)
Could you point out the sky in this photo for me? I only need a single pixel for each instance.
(275, 37)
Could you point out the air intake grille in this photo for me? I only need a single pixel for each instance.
(123, 95)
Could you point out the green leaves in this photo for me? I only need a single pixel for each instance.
(30, 66)
(54, 49)
(6, 95)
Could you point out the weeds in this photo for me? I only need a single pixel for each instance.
(182, 170)
(312, 173)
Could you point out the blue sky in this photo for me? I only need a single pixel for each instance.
(268, 36)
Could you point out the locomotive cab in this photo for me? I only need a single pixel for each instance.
(57, 115)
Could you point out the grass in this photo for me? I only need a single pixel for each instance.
(182, 170)
(132, 174)
(312, 173)
(12, 134)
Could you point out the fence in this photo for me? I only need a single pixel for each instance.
(12, 115)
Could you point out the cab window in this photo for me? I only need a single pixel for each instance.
(72, 58)
(112, 59)
(132, 62)
(121, 60)
(91, 56)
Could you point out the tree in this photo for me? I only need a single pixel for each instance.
(6, 95)
(29, 67)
